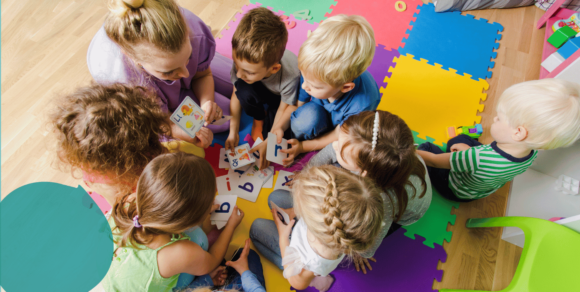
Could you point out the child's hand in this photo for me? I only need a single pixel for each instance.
(203, 138)
(235, 219)
(360, 262)
(279, 135)
(212, 112)
(284, 230)
(232, 141)
(290, 183)
(219, 276)
(295, 150)
(459, 147)
(262, 149)
(241, 265)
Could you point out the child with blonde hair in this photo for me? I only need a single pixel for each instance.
(339, 214)
(175, 192)
(334, 84)
(531, 116)
(380, 146)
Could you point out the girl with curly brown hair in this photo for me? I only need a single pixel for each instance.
(339, 214)
(110, 133)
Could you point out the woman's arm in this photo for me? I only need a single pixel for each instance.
(203, 88)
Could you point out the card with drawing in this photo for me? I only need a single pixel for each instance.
(240, 156)
(189, 117)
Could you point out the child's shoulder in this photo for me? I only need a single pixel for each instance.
(289, 63)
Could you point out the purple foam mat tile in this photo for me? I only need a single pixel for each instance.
(403, 264)
(382, 61)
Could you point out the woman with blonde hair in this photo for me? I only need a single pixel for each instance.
(158, 44)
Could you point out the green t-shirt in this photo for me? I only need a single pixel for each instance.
(479, 171)
(136, 269)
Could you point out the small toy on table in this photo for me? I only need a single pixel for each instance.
(474, 131)
(561, 36)
(573, 22)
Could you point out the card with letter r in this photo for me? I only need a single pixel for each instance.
(189, 117)
(273, 152)
(227, 203)
(240, 156)
(283, 180)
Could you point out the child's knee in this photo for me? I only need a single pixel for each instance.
(308, 120)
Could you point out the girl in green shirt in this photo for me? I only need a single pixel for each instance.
(174, 193)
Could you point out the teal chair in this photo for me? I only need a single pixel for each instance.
(550, 259)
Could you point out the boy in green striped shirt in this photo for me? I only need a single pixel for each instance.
(534, 115)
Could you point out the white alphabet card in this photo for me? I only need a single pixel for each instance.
(241, 156)
(273, 153)
(189, 117)
(226, 183)
(227, 203)
(250, 183)
(283, 180)
(224, 162)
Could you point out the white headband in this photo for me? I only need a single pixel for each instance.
(376, 130)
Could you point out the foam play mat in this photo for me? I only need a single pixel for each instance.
(431, 68)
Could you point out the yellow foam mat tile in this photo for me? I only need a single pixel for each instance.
(273, 276)
(431, 99)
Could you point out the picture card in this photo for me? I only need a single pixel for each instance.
(224, 162)
(189, 117)
(240, 170)
(281, 214)
(226, 184)
(222, 121)
(227, 203)
(283, 180)
(273, 153)
(241, 156)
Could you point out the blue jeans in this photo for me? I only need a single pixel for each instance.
(440, 177)
(310, 121)
(196, 235)
(264, 233)
(234, 280)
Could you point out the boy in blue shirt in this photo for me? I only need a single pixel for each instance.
(334, 83)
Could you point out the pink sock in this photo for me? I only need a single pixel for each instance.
(322, 283)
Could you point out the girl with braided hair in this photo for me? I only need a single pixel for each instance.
(338, 214)
(380, 146)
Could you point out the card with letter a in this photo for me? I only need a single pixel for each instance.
(241, 156)
(189, 117)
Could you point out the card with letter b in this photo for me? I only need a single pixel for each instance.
(240, 156)
(273, 152)
(227, 203)
(189, 117)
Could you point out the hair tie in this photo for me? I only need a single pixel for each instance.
(136, 222)
(376, 130)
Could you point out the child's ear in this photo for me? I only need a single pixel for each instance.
(364, 173)
(520, 134)
(347, 87)
(275, 68)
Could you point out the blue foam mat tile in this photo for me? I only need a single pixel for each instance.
(455, 41)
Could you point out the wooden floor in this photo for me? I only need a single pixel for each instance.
(44, 45)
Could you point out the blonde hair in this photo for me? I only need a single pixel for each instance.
(261, 36)
(339, 50)
(159, 22)
(342, 210)
(549, 109)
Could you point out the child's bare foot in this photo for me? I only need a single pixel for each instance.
(257, 126)
(323, 284)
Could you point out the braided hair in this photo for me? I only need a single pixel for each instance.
(342, 210)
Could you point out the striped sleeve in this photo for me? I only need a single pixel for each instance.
(464, 161)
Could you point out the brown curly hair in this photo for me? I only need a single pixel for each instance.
(342, 210)
(109, 130)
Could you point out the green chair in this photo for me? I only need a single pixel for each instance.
(550, 259)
